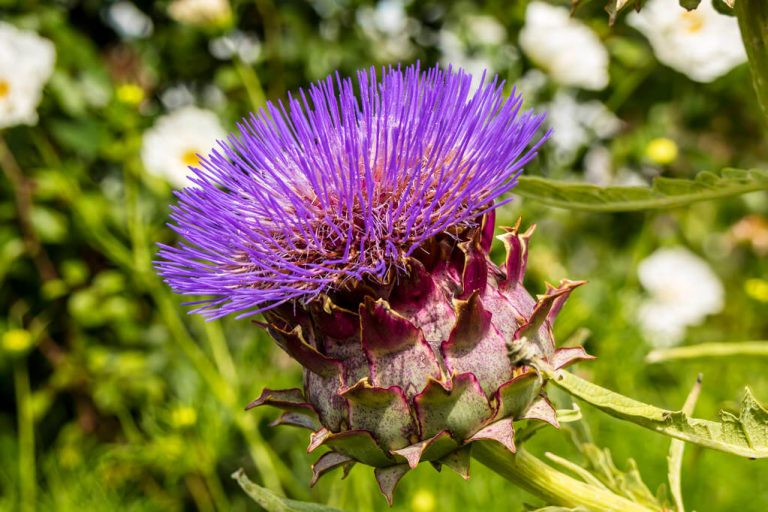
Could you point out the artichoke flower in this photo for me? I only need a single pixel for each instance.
(360, 227)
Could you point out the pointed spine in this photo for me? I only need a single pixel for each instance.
(327, 462)
(388, 478)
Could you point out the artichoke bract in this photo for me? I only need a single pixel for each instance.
(446, 353)
(358, 220)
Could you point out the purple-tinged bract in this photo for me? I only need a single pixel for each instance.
(335, 188)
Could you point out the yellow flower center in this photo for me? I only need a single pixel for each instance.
(5, 88)
(693, 21)
(190, 158)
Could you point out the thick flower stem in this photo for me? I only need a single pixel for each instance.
(555, 488)
(753, 22)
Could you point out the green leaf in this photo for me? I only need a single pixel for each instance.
(613, 7)
(710, 350)
(271, 502)
(664, 193)
(627, 483)
(569, 415)
(558, 509)
(676, 449)
(745, 434)
(689, 5)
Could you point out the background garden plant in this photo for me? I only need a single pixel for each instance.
(117, 399)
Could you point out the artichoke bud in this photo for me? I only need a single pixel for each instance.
(448, 349)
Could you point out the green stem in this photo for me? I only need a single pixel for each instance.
(26, 425)
(555, 488)
(217, 343)
(710, 350)
(21, 187)
(252, 84)
(753, 22)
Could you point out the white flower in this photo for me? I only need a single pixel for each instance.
(243, 45)
(201, 12)
(454, 53)
(26, 64)
(703, 44)
(476, 44)
(388, 28)
(565, 47)
(485, 29)
(129, 21)
(577, 124)
(598, 170)
(683, 290)
(171, 146)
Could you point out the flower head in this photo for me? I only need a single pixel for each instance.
(361, 226)
(173, 144)
(683, 291)
(26, 64)
(702, 44)
(332, 189)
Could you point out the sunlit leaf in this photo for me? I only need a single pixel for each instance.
(664, 193)
(745, 434)
(271, 502)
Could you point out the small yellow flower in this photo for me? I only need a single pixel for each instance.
(661, 150)
(131, 94)
(757, 289)
(183, 416)
(16, 340)
(423, 501)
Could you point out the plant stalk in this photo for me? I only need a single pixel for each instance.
(753, 23)
(543, 481)
(27, 470)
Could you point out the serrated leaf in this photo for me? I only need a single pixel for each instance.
(271, 502)
(664, 192)
(745, 434)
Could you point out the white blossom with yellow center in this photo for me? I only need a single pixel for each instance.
(566, 48)
(173, 144)
(683, 290)
(702, 44)
(26, 64)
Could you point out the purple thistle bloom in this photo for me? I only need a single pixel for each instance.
(336, 188)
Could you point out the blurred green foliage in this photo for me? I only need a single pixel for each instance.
(116, 399)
